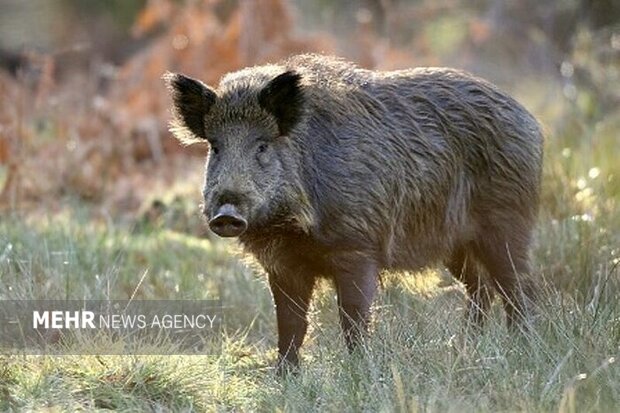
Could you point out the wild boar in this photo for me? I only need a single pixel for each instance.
(324, 169)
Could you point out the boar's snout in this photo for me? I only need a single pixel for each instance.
(227, 222)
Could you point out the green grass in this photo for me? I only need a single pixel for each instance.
(421, 355)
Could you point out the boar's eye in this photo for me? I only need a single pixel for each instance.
(214, 150)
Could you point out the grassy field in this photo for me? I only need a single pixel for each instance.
(420, 357)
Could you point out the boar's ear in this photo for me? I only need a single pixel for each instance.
(283, 98)
(191, 101)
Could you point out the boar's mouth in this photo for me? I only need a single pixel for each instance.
(227, 222)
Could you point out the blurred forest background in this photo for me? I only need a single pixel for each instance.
(98, 201)
(83, 111)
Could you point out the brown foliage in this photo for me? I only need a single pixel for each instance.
(12, 137)
(102, 141)
(198, 43)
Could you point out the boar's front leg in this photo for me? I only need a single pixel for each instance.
(356, 284)
(291, 294)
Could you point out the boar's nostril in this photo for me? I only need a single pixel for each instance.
(227, 222)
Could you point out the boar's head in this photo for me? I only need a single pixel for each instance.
(251, 161)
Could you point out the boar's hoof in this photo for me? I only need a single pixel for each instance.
(285, 368)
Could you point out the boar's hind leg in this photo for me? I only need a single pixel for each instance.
(356, 285)
(506, 260)
(292, 296)
(464, 268)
